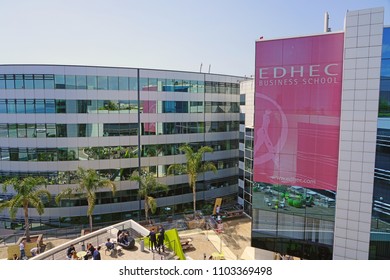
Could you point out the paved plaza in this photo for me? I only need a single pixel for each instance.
(234, 243)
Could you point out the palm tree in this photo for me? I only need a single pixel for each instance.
(148, 185)
(28, 193)
(89, 183)
(195, 165)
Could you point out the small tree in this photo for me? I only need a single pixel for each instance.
(89, 183)
(195, 165)
(28, 193)
(148, 186)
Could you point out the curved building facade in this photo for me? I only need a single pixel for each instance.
(55, 118)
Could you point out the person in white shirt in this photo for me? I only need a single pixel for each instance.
(34, 251)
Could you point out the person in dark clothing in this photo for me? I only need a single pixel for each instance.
(90, 251)
(152, 240)
(160, 239)
(69, 252)
(96, 254)
(109, 244)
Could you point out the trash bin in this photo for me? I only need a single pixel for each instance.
(142, 245)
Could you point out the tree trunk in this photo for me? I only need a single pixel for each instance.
(146, 206)
(194, 198)
(90, 223)
(26, 222)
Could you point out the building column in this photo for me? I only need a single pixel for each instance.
(358, 129)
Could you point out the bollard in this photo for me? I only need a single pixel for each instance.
(142, 245)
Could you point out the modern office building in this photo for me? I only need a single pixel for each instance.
(55, 118)
(316, 169)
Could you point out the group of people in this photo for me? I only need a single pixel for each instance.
(123, 238)
(157, 241)
(22, 249)
(92, 252)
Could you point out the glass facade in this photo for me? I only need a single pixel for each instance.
(301, 222)
(116, 124)
(380, 225)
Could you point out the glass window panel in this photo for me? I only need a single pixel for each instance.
(32, 154)
(40, 106)
(124, 106)
(222, 88)
(22, 131)
(82, 129)
(28, 81)
(143, 84)
(41, 131)
(38, 81)
(9, 81)
(113, 83)
(3, 130)
(152, 84)
(23, 154)
(50, 130)
(61, 130)
(92, 107)
(5, 154)
(20, 108)
(70, 82)
(19, 83)
(2, 82)
(82, 106)
(123, 83)
(59, 81)
(12, 130)
(49, 81)
(60, 106)
(14, 154)
(102, 82)
(31, 130)
(50, 106)
(81, 82)
(3, 106)
(30, 106)
(92, 82)
(133, 83)
(11, 106)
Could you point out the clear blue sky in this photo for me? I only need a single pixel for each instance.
(166, 34)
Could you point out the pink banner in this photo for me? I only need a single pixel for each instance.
(297, 110)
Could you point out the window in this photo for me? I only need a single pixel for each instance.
(28, 81)
(102, 82)
(30, 106)
(20, 108)
(70, 82)
(123, 83)
(91, 82)
(3, 106)
(59, 81)
(113, 83)
(81, 82)
(9, 81)
(50, 106)
(2, 82)
(38, 82)
(49, 81)
(19, 82)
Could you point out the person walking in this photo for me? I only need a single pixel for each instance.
(160, 239)
(152, 240)
(22, 250)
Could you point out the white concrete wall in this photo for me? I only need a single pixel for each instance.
(358, 127)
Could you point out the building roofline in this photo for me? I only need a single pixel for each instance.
(121, 67)
(299, 36)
